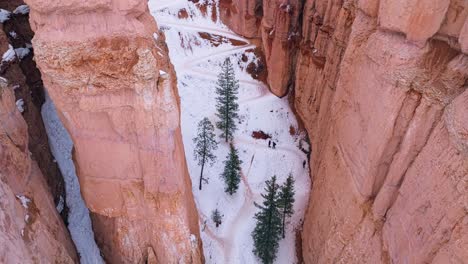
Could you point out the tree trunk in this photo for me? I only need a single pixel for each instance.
(227, 128)
(284, 218)
(201, 173)
(227, 118)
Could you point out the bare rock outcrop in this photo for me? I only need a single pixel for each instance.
(277, 24)
(22, 74)
(381, 108)
(381, 87)
(31, 230)
(106, 68)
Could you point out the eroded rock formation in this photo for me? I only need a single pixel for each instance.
(31, 230)
(277, 24)
(31, 186)
(382, 89)
(23, 75)
(106, 68)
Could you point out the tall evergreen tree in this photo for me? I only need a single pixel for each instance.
(286, 201)
(232, 169)
(267, 232)
(205, 143)
(226, 105)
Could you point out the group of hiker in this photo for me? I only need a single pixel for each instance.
(271, 144)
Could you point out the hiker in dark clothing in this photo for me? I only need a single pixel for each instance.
(274, 144)
(269, 143)
(303, 164)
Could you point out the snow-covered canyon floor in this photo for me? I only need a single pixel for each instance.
(198, 45)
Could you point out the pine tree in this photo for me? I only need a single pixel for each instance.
(226, 105)
(216, 217)
(286, 201)
(267, 232)
(205, 143)
(232, 169)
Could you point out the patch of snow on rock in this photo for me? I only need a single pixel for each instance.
(4, 15)
(24, 200)
(9, 55)
(22, 52)
(20, 105)
(13, 34)
(61, 204)
(22, 9)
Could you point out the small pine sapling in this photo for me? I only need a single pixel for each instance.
(217, 217)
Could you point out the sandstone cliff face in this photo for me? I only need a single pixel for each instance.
(115, 91)
(382, 89)
(23, 75)
(31, 230)
(277, 24)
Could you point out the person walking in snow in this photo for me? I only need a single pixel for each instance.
(269, 143)
(274, 145)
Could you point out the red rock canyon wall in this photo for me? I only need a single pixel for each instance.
(115, 90)
(382, 89)
(26, 78)
(31, 230)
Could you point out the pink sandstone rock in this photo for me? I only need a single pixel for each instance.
(101, 65)
(381, 89)
(456, 16)
(277, 24)
(31, 230)
(388, 184)
(463, 38)
(243, 16)
(417, 19)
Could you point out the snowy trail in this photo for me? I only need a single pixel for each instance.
(196, 60)
(197, 28)
(168, 3)
(214, 76)
(221, 53)
(280, 148)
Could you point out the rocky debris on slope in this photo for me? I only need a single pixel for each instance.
(23, 75)
(31, 230)
(381, 88)
(101, 66)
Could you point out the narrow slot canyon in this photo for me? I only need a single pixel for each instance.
(167, 131)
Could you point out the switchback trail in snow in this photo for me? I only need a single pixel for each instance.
(197, 28)
(197, 60)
